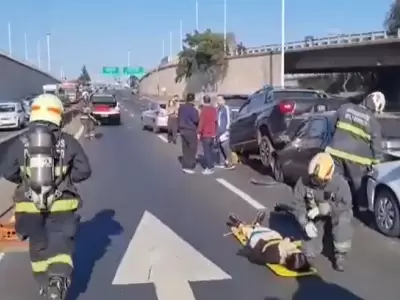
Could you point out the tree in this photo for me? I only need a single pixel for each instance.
(203, 53)
(392, 21)
(84, 77)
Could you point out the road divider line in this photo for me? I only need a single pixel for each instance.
(257, 205)
(163, 138)
(79, 133)
(132, 115)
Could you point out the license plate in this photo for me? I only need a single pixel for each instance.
(104, 116)
(321, 108)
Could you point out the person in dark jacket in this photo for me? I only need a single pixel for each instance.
(356, 142)
(51, 228)
(207, 131)
(188, 120)
(324, 198)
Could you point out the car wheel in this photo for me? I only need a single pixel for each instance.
(387, 212)
(265, 150)
(277, 171)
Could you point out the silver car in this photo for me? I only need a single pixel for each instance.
(12, 115)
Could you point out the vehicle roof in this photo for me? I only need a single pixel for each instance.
(103, 95)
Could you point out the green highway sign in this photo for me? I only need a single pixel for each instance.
(131, 71)
(111, 71)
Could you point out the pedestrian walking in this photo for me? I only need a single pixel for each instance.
(224, 153)
(172, 110)
(207, 132)
(188, 120)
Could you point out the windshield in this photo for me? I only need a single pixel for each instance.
(235, 100)
(103, 99)
(7, 108)
(285, 95)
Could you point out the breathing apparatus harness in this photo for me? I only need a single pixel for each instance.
(43, 153)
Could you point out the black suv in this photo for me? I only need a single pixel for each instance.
(265, 118)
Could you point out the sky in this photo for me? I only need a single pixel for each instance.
(102, 32)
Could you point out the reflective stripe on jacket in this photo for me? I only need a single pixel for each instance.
(357, 135)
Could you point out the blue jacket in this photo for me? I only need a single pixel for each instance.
(188, 117)
(224, 119)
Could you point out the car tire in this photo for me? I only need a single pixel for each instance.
(277, 171)
(265, 151)
(387, 212)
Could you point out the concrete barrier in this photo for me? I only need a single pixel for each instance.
(19, 79)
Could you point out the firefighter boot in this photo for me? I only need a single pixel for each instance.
(58, 287)
(339, 262)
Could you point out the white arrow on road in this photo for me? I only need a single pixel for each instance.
(156, 254)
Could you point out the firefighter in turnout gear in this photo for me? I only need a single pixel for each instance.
(45, 163)
(356, 141)
(323, 202)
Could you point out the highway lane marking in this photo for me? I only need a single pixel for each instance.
(132, 115)
(247, 198)
(163, 138)
(79, 133)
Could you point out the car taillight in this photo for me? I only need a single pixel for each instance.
(287, 107)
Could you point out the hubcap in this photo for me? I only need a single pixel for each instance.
(385, 214)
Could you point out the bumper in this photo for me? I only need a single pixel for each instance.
(161, 122)
(8, 125)
(371, 186)
(106, 116)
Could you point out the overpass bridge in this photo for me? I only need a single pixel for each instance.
(255, 67)
(20, 78)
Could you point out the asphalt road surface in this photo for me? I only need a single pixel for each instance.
(151, 232)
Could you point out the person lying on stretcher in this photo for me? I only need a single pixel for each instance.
(267, 246)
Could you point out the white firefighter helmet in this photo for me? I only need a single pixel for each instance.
(376, 101)
(47, 107)
(321, 167)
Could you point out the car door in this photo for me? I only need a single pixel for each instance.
(312, 143)
(147, 115)
(236, 132)
(249, 134)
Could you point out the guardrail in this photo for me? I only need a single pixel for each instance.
(27, 64)
(342, 39)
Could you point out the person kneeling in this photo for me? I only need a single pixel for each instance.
(267, 246)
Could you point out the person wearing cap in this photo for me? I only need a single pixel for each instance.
(188, 120)
(324, 197)
(356, 144)
(51, 231)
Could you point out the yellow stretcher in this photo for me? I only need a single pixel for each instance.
(279, 270)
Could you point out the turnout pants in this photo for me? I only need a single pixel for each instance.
(340, 229)
(172, 129)
(354, 173)
(189, 148)
(51, 241)
(88, 126)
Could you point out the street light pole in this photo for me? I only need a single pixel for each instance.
(38, 55)
(9, 39)
(48, 52)
(225, 16)
(26, 46)
(181, 35)
(283, 43)
(197, 15)
(170, 45)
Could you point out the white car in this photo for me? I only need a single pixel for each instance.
(12, 115)
(155, 117)
(383, 192)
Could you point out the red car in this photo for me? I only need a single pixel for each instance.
(106, 108)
